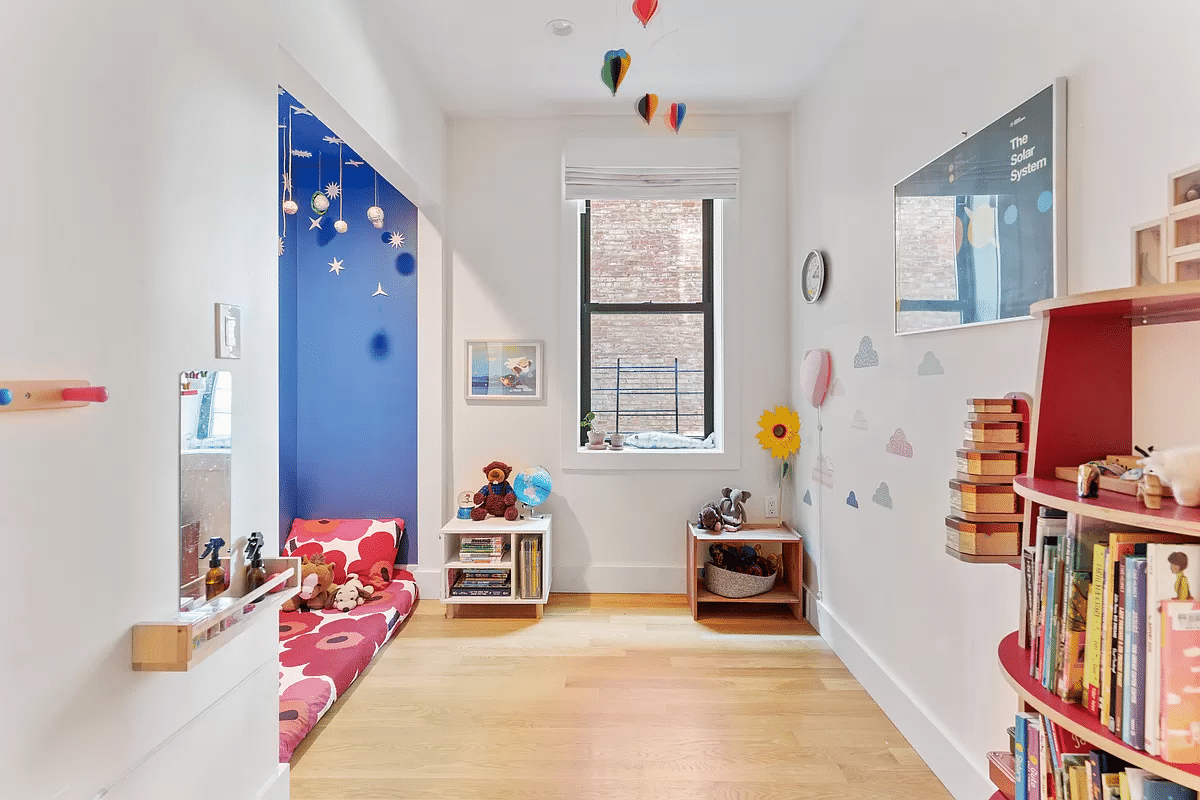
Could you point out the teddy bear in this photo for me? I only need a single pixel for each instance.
(732, 508)
(316, 585)
(497, 496)
(351, 594)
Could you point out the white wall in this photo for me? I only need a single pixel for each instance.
(615, 531)
(918, 627)
(139, 148)
(366, 90)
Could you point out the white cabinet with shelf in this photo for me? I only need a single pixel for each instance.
(515, 560)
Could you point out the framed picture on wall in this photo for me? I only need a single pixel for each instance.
(980, 231)
(504, 369)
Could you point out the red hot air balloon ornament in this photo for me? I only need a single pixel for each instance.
(616, 65)
(644, 10)
(675, 116)
(647, 106)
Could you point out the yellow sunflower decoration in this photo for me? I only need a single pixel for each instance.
(779, 431)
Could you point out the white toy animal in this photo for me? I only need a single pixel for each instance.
(1179, 468)
(351, 594)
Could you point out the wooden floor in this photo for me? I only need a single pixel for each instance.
(607, 697)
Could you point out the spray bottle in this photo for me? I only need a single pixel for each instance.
(214, 581)
(256, 573)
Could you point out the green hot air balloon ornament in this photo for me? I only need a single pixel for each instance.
(616, 66)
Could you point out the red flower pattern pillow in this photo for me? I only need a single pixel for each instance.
(363, 547)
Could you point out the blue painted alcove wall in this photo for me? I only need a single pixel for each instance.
(347, 358)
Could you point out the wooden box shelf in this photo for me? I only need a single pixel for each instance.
(788, 588)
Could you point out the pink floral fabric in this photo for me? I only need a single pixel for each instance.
(322, 652)
(363, 547)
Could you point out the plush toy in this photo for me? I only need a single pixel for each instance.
(316, 585)
(1178, 468)
(732, 508)
(497, 497)
(351, 594)
(709, 518)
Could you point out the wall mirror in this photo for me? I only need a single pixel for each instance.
(205, 456)
(980, 233)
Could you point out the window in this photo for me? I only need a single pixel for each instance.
(647, 317)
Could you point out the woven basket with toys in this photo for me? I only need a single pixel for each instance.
(740, 570)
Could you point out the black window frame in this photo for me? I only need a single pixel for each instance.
(706, 308)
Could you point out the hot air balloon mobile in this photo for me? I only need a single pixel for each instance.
(616, 65)
(647, 106)
(644, 10)
(675, 116)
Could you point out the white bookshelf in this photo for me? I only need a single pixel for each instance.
(516, 530)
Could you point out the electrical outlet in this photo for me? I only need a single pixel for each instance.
(772, 504)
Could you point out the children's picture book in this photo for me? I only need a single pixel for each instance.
(1172, 568)
(1179, 734)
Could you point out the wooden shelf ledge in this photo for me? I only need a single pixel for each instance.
(1012, 561)
(779, 594)
(178, 645)
(1155, 303)
(1014, 666)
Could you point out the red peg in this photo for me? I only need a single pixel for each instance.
(86, 394)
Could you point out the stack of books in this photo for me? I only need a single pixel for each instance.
(530, 567)
(482, 549)
(984, 518)
(1050, 762)
(1112, 624)
(481, 583)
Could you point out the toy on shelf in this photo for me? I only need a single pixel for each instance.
(733, 509)
(1087, 481)
(1150, 490)
(497, 496)
(37, 395)
(1178, 468)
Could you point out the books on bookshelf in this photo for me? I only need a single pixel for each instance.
(471, 582)
(1107, 615)
(529, 567)
(482, 549)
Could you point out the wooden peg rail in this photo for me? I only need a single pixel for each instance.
(35, 395)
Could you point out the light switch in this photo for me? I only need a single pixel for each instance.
(229, 331)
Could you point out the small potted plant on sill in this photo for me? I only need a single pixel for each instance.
(595, 435)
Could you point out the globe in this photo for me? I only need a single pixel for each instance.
(532, 485)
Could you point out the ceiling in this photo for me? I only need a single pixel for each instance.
(496, 57)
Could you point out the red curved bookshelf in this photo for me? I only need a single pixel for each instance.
(1113, 506)
(1014, 665)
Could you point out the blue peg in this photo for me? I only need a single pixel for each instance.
(5, 396)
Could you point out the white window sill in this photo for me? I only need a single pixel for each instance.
(582, 459)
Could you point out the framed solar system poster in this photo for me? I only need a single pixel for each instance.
(980, 231)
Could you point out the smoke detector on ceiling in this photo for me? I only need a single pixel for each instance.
(560, 27)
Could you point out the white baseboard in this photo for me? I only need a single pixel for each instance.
(278, 787)
(594, 579)
(961, 772)
(429, 582)
(620, 579)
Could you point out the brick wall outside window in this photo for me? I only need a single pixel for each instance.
(647, 251)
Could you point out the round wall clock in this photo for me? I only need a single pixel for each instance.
(812, 277)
